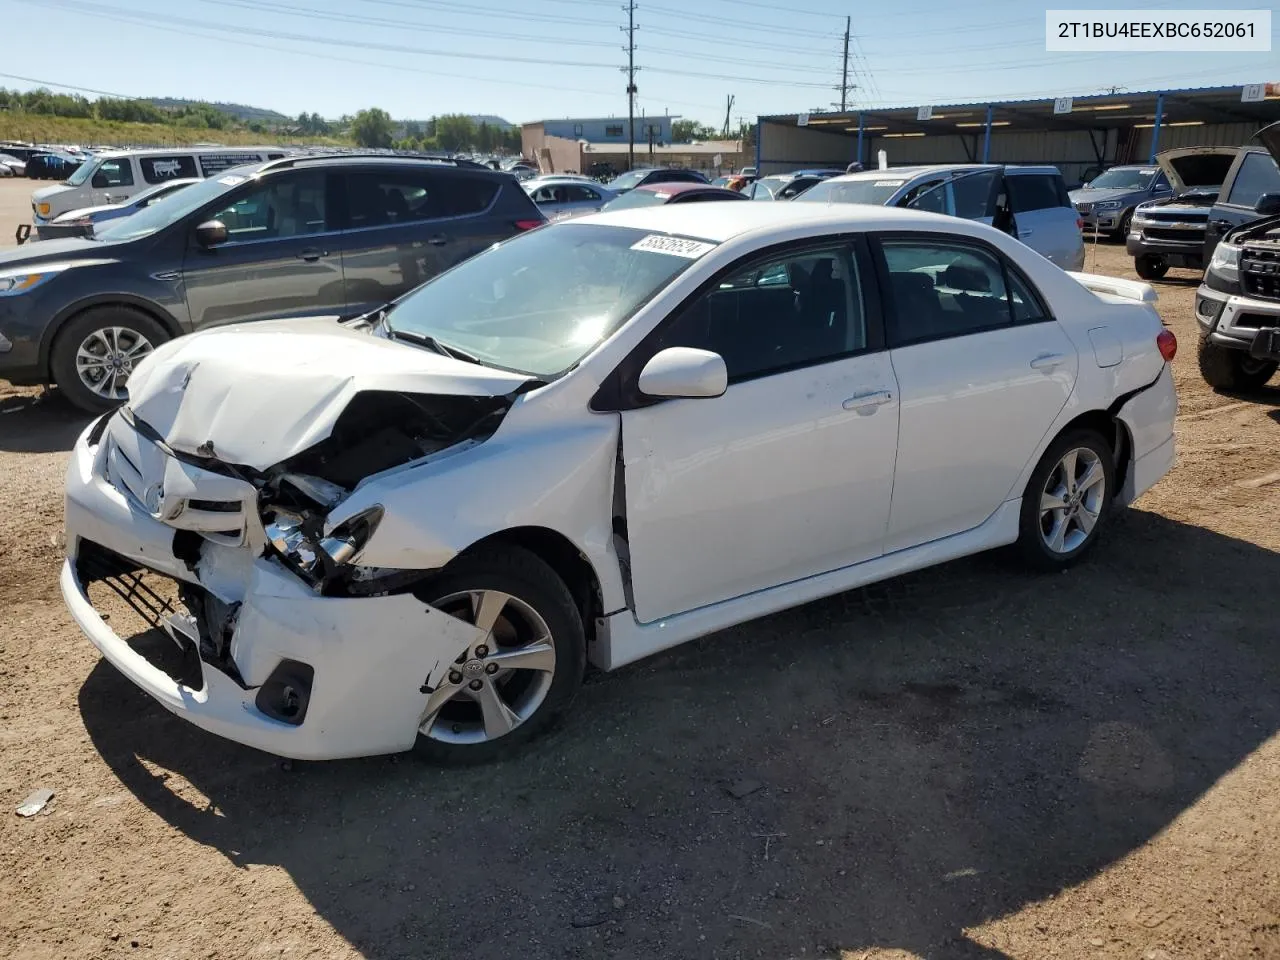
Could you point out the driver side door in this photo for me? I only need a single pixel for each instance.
(789, 473)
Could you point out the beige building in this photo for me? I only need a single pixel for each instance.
(562, 155)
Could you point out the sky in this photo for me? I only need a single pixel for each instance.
(535, 59)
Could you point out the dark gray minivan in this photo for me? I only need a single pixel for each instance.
(300, 236)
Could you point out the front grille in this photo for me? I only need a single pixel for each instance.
(1184, 216)
(1166, 233)
(1260, 273)
(1084, 207)
(1257, 321)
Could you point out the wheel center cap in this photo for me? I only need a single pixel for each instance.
(473, 669)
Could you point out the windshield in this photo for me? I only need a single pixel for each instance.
(1117, 178)
(628, 180)
(82, 172)
(540, 302)
(637, 198)
(869, 190)
(167, 210)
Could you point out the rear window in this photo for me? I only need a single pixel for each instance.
(1036, 191)
(875, 191)
(637, 198)
(160, 169)
(1258, 174)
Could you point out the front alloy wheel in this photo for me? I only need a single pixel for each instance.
(523, 671)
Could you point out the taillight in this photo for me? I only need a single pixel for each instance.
(529, 224)
(1079, 223)
(1167, 343)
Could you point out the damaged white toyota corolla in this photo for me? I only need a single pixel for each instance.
(591, 443)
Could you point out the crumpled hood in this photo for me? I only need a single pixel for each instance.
(255, 394)
(1098, 194)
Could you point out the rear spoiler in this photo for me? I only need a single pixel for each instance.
(1127, 289)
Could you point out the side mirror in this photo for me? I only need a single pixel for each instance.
(99, 181)
(1268, 205)
(684, 372)
(211, 233)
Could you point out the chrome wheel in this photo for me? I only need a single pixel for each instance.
(107, 356)
(501, 680)
(1072, 500)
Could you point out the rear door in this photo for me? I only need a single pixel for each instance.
(1044, 218)
(983, 370)
(281, 258)
(1253, 175)
(406, 224)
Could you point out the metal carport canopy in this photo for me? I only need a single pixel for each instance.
(1153, 108)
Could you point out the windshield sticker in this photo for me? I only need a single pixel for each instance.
(675, 246)
(889, 183)
(231, 181)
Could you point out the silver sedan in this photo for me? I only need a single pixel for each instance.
(569, 196)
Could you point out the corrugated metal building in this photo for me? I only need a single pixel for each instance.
(1074, 134)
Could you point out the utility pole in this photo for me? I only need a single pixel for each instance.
(728, 110)
(630, 71)
(844, 71)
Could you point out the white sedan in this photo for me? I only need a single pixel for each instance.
(591, 443)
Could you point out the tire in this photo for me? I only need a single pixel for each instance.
(119, 334)
(1230, 370)
(1126, 222)
(1150, 266)
(458, 734)
(1086, 510)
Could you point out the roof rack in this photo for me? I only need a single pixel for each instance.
(294, 159)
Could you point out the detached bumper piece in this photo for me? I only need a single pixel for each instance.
(1266, 345)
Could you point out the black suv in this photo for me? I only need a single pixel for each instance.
(299, 236)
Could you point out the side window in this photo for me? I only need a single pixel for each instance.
(1032, 191)
(212, 163)
(582, 195)
(778, 314)
(159, 169)
(1258, 174)
(284, 206)
(972, 194)
(940, 289)
(923, 196)
(114, 173)
(1025, 303)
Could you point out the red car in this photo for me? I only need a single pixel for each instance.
(654, 194)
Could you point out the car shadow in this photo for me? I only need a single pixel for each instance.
(883, 768)
(44, 423)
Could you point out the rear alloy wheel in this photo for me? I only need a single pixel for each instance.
(1150, 266)
(1226, 369)
(96, 352)
(1067, 501)
(516, 680)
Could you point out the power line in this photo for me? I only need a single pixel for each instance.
(489, 12)
(720, 22)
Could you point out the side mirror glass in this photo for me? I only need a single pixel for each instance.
(684, 372)
(99, 181)
(211, 233)
(1268, 205)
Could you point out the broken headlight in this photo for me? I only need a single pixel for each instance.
(301, 543)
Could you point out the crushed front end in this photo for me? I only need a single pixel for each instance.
(286, 643)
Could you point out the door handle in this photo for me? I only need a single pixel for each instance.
(1026, 232)
(868, 401)
(439, 240)
(1048, 361)
(312, 254)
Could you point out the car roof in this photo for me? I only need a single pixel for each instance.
(170, 151)
(557, 181)
(719, 222)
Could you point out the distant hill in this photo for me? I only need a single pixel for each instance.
(239, 110)
(476, 118)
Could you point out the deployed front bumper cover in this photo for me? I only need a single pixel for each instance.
(375, 660)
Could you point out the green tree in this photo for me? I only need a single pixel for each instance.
(685, 131)
(454, 131)
(373, 128)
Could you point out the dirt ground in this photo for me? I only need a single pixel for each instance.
(970, 762)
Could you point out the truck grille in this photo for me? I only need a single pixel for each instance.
(1180, 216)
(1260, 273)
(1173, 233)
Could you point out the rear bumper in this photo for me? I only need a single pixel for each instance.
(1148, 415)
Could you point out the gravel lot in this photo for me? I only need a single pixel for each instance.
(970, 762)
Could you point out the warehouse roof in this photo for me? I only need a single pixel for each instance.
(1188, 107)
